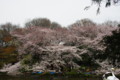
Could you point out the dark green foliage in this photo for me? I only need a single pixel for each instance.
(112, 43)
(27, 60)
(23, 70)
(96, 54)
(72, 72)
(87, 60)
(30, 59)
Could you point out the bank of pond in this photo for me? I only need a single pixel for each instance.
(51, 76)
(47, 76)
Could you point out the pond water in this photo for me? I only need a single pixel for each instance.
(48, 77)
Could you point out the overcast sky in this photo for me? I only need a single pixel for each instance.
(65, 12)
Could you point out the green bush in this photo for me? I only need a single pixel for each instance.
(72, 72)
(27, 60)
(30, 59)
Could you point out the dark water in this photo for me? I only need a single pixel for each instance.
(47, 77)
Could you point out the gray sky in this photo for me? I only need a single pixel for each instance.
(65, 12)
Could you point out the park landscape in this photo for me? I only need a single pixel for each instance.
(44, 49)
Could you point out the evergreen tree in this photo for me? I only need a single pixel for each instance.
(112, 43)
